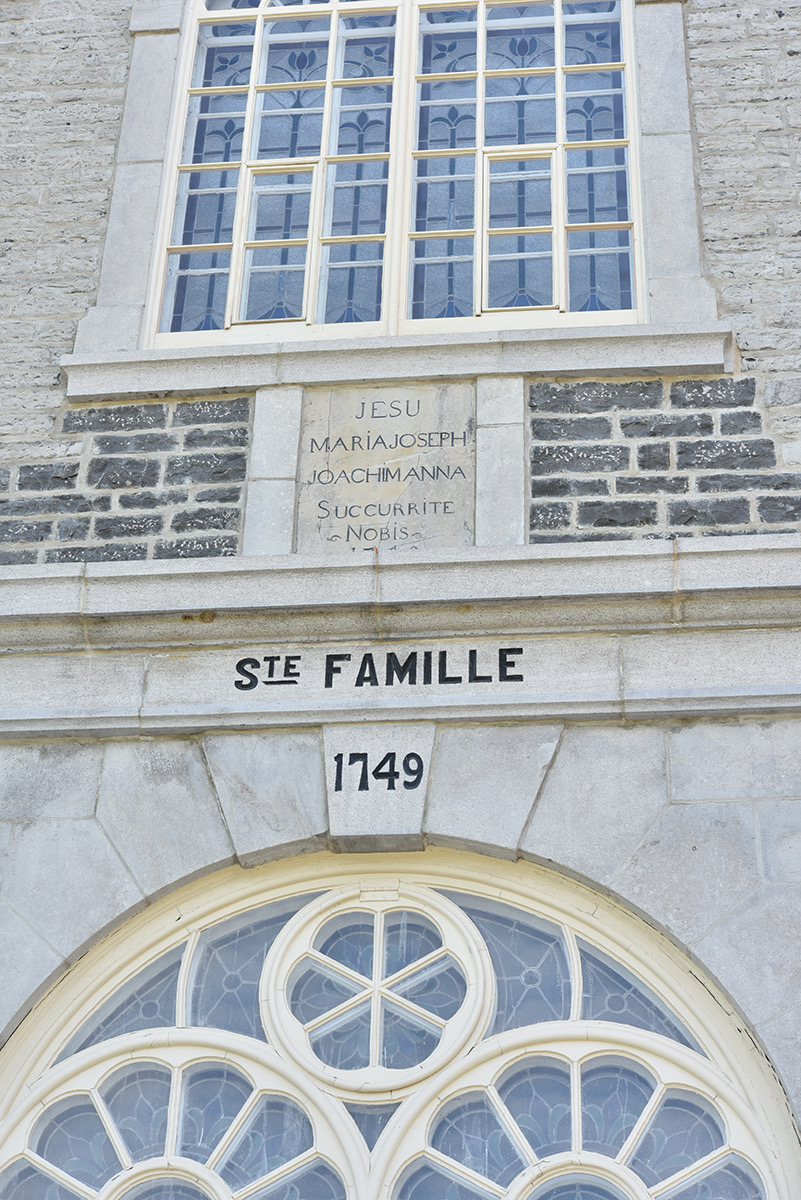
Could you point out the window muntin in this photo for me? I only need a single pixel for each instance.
(496, 136)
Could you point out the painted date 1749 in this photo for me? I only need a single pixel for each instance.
(385, 771)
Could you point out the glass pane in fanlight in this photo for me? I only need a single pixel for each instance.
(408, 936)
(165, 1189)
(684, 1129)
(405, 1041)
(213, 1096)
(275, 1132)
(613, 1097)
(427, 1182)
(470, 1132)
(313, 992)
(439, 989)
(348, 939)
(137, 1098)
(734, 1179)
(21, 1181)
(537, 1094)
(315, 1182)
(344, 1043)
(71, 1136)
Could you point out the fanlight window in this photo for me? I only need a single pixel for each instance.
(406, 1042)
(359, 162)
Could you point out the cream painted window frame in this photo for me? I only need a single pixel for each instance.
(115, 356)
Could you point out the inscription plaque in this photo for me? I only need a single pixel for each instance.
(391, 468)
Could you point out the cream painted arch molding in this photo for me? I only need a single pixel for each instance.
(432, 1026)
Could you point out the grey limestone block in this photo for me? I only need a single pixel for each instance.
(49, 779)
(158, 807)
(603, 792)
(484, 782)
(783, 1045)
(271, 787)
(751, 760)
(780, 833)
(29, 965)
(709, 850)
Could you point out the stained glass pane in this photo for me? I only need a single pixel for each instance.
(279, 208)
(447, 41)
(366, 55)
(195, 296)
(408, 936)
(613, 994)
(345, 1042)
(600, 271)
(520, 37)
(214, 128)
(224, 988)
(212, 1097)
(433, 1183)
(439, 988)
(683, 1130)
(349, 940)
(295, 52)
(313, 992)
(442, 278)
(520, 111)
(589, 41)
(578, 1188)
(205, 210)
(530, 961)
(276, 1132)
(72, 1137)
(166, 1189)
(597, 185)
(351, 280)
(137, 1098)
(358, 199)
(146, 1002)
(315, 1182)
(274, 283)
(21, 1181)
(444, 194)
(470, 1132)
(520, 193)
(362, 119)
(372, 1119)
(595, 106)
(612, 1099)
(520, 271)
(224, 55)
(734, 1180)
(289, 123)
(447, 118)
(405, 1041)
(537, 1095)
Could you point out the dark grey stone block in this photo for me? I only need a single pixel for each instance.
(200, 439)
(654, 457)
(160, 499)
(116, 443)
(25, 531)
(205, 468)
(190, 520)
(713, 393)
(617, 512)
(584, 535)
(651, 484)
(116, 416)
(552, 429)
(754, 452)
(111, 552)
(124, 527)
(73, 529)
(584, 457)
(664, 425)
(548, 516)
(779, 508)
(595, 397)
(228, 495)
(743, 420)
(72, 502)
(123, 472)
(17, 558)
(225, 545)
(47, 477)
(777, 481)
(569, 486)
(213, 412)
(709, 512)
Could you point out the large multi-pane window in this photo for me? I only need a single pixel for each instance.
(352, 161)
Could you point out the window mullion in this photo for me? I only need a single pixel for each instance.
(558, 168)
(233, 304)
(480, 239)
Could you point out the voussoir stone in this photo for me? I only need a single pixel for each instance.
(750, 760)
(272, 790)
(158, 806)
(484, 781)
(53, 779)
(29, 964)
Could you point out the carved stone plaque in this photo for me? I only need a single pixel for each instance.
(387, 467)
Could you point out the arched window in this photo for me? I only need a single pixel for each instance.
(357, 162)
(444, 1033)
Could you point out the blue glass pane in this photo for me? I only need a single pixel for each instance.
(71, 1136)
(276, 1132)
(447, 116)
(214, 128)
(213, 1096)
(520, 111)
(224, 988)
(224, 55)
(313, 992)
(408, 936)
(220, 4)
(600, 271)
(447, 41)
(587, 43)
(137, 1098)
(597, 185)
(358, 204)
(289, 124)
(146, 1002)
(372, 1119)
(349, 940)
(519, 38)
(470, 1132)
(194, 298)
(279, 209)
(345, 1043)
(444, 194)
(530, 961)
(520, 271)
(439, 989)
(595, 106)
(295, 51)
(362, 119)
(520, 193)
(613, 1098)
(537, 1095)
(442, 278)
(683, 1130)
(204, 212)
(315, 1182)
(433, 1183)
(405, 1041)
(365, 55)
(351, 280)
(20, 1181)
(613, 994)
(165, 1189)
(274, 279)
(578, 1188)
(735, 1180)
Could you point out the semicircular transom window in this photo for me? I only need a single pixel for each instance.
(392, 1040)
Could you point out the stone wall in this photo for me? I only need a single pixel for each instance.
(154, 480)
(655, 458)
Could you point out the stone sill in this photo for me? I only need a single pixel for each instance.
(626, 350)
